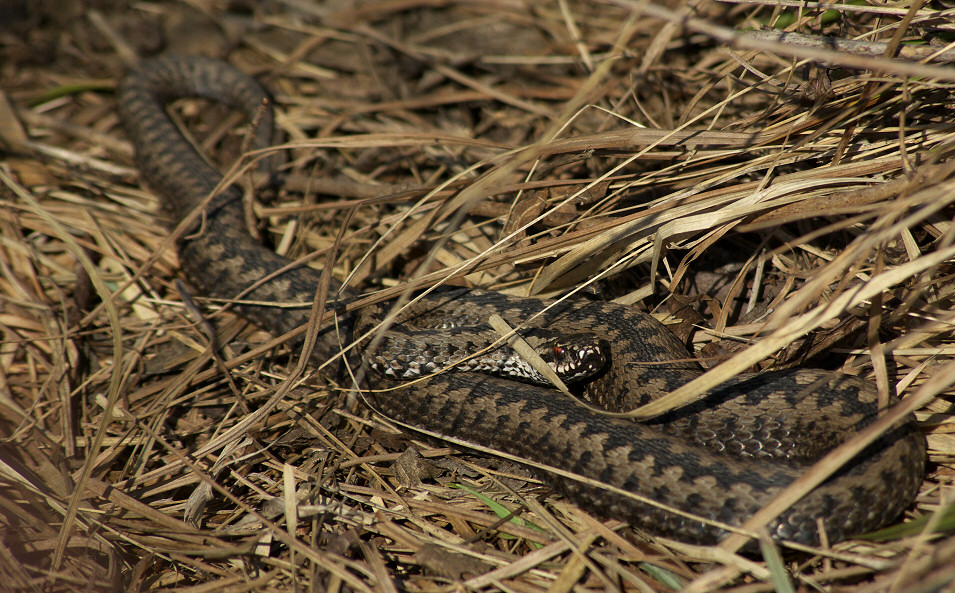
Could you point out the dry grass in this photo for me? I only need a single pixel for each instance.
(785, 215)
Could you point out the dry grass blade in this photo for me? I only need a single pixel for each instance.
(822, 56)
(527, 352)
(109, 408)
(780, 338)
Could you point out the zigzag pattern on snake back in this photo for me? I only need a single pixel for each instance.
(720, 459)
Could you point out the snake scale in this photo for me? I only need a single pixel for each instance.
(719, 459)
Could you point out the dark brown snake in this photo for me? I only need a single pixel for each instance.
(720, 459)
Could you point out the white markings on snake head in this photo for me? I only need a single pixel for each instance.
(575, 358)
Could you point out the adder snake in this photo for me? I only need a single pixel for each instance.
(719, 460)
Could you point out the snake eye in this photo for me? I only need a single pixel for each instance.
(559, 350)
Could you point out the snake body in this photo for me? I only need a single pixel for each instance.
(718, 460)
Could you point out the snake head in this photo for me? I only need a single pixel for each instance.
(575, 357)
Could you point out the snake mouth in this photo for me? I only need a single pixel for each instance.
(577, 357)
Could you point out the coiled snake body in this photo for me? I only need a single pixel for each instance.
(720, 459)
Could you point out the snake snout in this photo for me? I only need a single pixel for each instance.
(576, 357)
